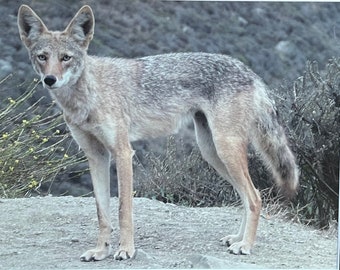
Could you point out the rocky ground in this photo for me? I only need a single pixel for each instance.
(52, 232)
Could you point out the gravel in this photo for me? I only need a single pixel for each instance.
(52, 232)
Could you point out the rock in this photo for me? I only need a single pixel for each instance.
(286, 49)
(210, 262)
(51, 232)
(5, 68)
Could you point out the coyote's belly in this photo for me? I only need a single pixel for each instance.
(156, 124)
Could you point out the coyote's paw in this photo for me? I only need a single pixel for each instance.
(241, 247)
(236, 245)
(124, 254)
(230, 239)
(97, 254)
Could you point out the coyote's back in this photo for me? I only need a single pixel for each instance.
(109, 102)
(172, 86)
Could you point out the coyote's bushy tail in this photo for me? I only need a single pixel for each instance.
(271, 142)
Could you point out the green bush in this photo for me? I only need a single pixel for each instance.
(34, 146)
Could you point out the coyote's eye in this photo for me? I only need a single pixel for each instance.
(42, 57)
(66, 58)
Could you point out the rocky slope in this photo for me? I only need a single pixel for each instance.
(274, 39)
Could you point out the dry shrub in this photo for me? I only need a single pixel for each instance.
(312, 117)
(180, 177)
(34, 145)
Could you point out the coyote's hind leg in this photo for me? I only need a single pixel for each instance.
(227, 153)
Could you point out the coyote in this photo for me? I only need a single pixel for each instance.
(109, 102)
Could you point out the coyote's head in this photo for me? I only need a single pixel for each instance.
(58, 57)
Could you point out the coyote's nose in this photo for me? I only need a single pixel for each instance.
(50, 80)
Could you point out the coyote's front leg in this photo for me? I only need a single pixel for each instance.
(99, 162)
(123, 154)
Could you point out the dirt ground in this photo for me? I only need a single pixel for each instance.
(52, 232)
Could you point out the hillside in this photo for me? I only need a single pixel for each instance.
(274, 39)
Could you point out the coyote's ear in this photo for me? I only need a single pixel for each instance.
(30, 25)
(81, 28)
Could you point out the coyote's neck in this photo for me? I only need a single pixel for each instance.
(76, 100)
